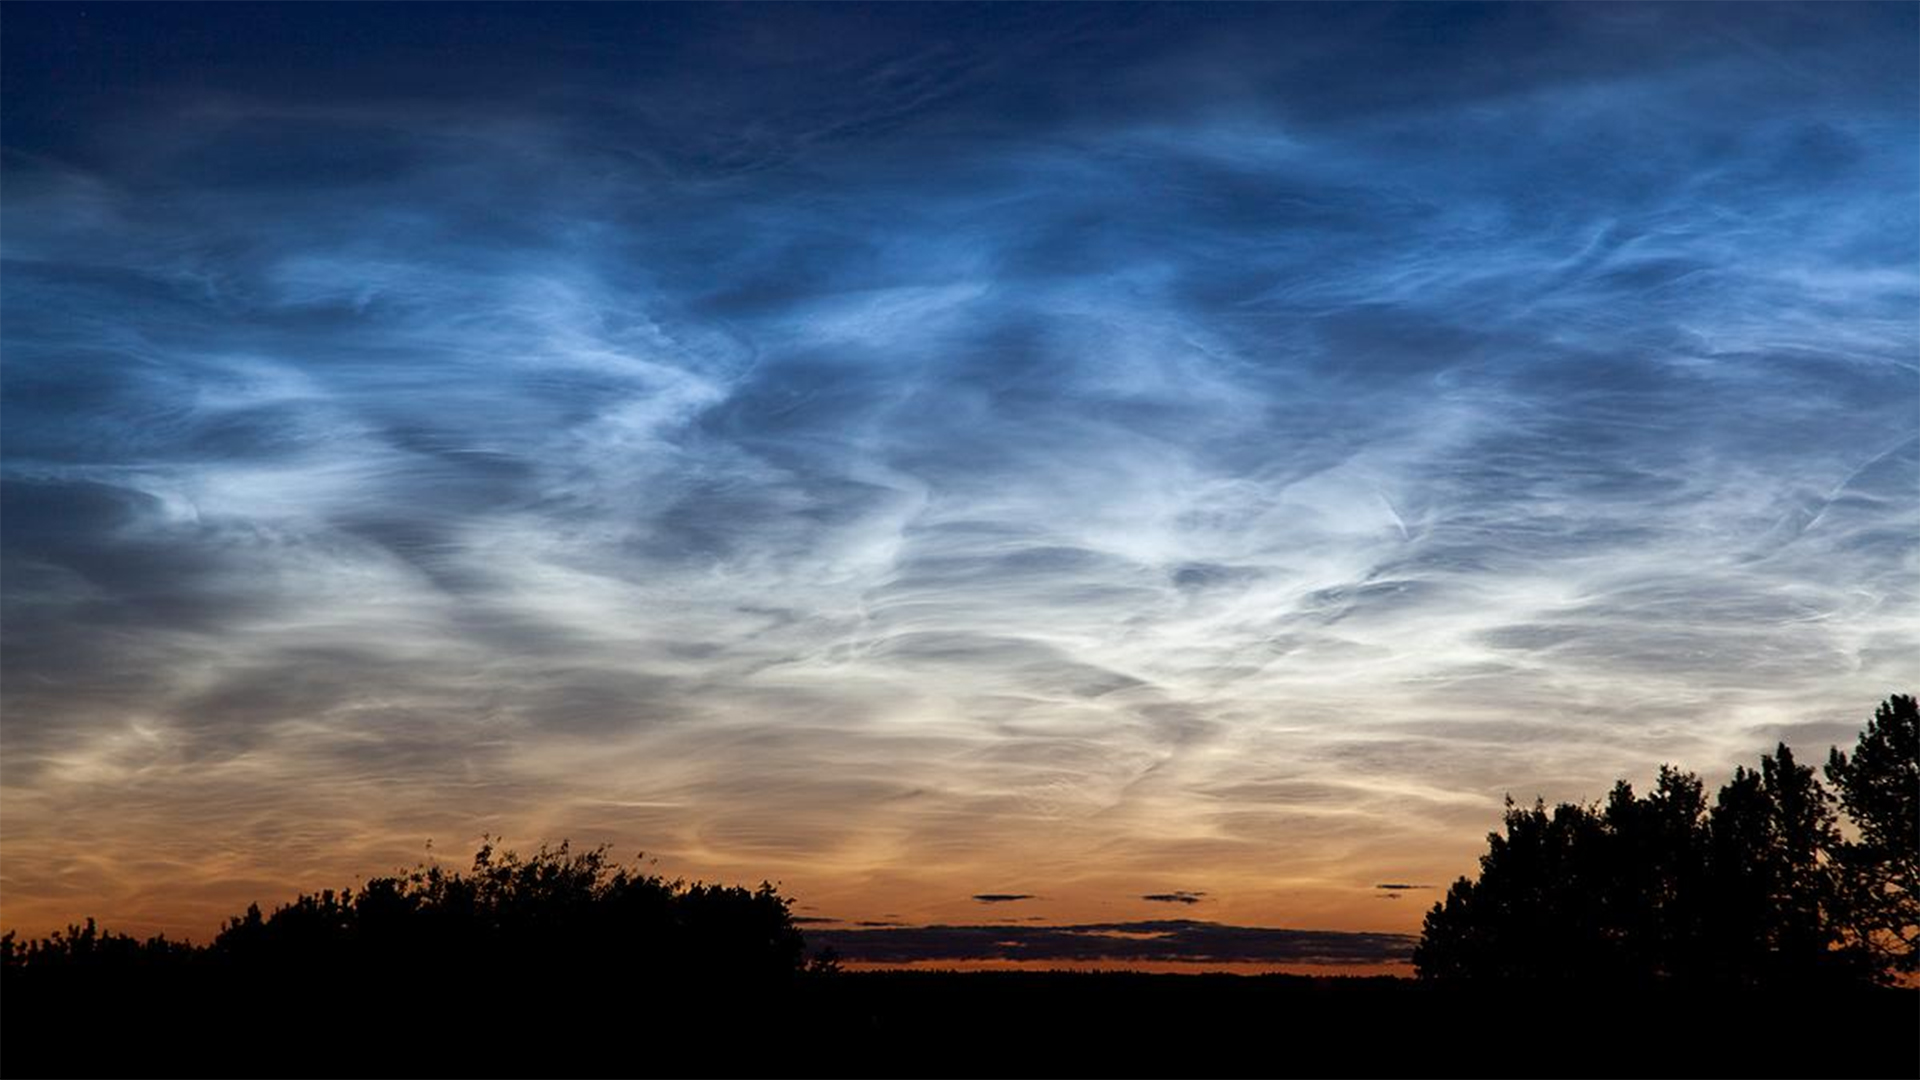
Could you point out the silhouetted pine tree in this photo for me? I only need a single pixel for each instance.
(1879, 871)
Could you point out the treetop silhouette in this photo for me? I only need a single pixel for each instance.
(556, 911)
(1761, 887)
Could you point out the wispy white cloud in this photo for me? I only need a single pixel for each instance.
(1251, 486)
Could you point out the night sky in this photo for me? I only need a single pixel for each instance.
(1072, 464)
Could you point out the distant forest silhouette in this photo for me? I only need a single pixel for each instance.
(1784, 901)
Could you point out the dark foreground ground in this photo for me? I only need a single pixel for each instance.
(972, 1024)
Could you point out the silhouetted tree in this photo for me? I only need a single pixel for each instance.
(1581, 892)
(530, 918)
(81, 951)
(1536, 910)
(1655, 849)
(557, 938)
(1773, 889)
(1879, 872)
(1758, 889)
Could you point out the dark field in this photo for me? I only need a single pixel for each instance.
(958, 1024)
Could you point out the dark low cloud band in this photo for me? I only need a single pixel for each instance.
(1148, 940)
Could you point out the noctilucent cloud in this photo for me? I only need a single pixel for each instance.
(915, 454)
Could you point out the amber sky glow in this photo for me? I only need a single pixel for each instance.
(913, 453)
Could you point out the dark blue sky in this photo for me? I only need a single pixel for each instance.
(919, 451)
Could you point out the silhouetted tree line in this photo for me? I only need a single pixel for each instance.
(508, 914)
(336, 982)
(1762, 887)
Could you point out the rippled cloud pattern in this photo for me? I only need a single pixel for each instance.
(1076, 451)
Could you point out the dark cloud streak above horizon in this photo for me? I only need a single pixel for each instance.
(1160, 940)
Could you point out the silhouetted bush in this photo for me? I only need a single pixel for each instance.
(508, 916)
(1759, 888)
(562, 940)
